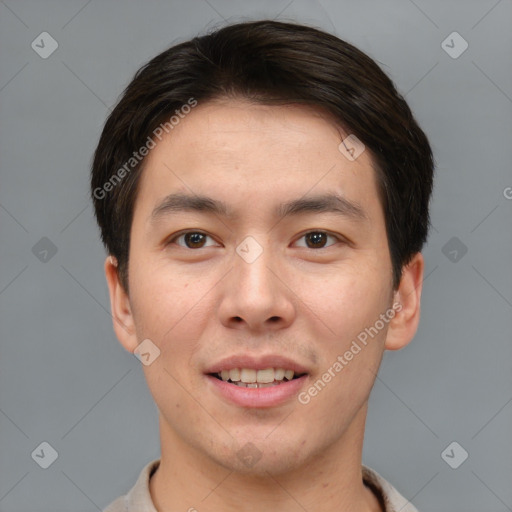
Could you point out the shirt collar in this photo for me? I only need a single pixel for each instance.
(139, 497)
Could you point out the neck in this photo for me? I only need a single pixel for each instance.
(188, 479)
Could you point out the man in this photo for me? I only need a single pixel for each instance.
(263, 196)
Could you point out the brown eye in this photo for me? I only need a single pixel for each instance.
(317, 240)
(192, 240)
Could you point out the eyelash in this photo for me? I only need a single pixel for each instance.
(183, 233)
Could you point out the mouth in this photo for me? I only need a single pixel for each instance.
(257, 379)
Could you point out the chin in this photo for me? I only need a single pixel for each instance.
(261, 456)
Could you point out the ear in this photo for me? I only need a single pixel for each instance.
(124, 325)
(407, 298)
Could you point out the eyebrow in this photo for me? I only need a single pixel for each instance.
(324, 203)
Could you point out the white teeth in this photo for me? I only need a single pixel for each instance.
(257, 384)
(247, 375)
(288, 374)
(279, 374)
(265, 376)
(234, 374)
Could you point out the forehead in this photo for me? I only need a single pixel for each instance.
(238, 151)
(225, 126)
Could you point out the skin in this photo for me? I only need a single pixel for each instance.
(305, 301)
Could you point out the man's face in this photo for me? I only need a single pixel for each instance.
(292, 296)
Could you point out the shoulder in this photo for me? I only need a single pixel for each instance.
(119, 505)
(390, 498)
(138, 499)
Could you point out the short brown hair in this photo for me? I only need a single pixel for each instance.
(269, 62)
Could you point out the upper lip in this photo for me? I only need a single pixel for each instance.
(256, 362)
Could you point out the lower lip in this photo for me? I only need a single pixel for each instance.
(258, 397)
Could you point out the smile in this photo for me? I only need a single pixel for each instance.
(251, 378)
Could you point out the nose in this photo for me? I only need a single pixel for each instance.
(255, 295)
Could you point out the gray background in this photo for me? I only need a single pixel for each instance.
(65, 379)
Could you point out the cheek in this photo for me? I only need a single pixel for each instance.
(170, 312)
(174, 311)
(352, 301)
(164, 299)
(352, 309)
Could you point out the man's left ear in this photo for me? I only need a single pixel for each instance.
(406, 303)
